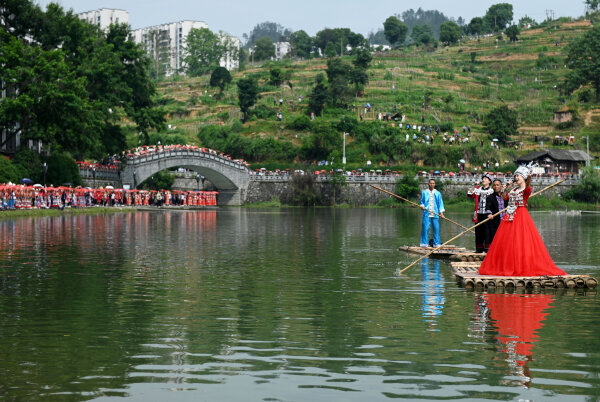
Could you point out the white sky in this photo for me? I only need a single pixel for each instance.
(237, 17)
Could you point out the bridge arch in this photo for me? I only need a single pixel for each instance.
(230, 177)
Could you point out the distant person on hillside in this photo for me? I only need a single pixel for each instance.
(431, 201)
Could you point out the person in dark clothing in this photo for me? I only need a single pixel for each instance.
(495, 203)
(480, 194)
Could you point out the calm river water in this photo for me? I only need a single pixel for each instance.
(281, 305)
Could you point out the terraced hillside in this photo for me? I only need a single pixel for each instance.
(453, 86)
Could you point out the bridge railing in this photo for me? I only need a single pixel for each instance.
(100, 174)
(162, 154)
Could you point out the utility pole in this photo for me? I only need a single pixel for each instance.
(344, 150)
(587, 156)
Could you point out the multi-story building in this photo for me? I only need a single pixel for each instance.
(230, 60)
(281, 49)
(166, 46)
(104, 17)
(166, 43)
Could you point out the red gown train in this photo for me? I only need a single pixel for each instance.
(518, 248)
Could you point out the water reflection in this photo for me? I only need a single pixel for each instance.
(517, 319)
(432, 284)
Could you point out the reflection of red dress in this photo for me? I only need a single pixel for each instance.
(518, 248)
(518, 318)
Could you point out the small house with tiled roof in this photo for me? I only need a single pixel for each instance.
(557, 160)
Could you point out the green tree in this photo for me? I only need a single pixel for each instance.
(359, 78)
(407, 186)
(422, 35)
(526, 20)
(10, 172)
(276, 76)
(336, 40)
(220, 77)
(247, 94)
(450, 32)
(302, 44)
(331, 50)
(318, 96)
(242, 58)
(501, 122)
(272, 30)
(338, 73)
(583, 61)
(394, 30)
(203, 51)
(498, 16)
(362, 58)
(476, 26)
(44, 99)
(159, 181)
(75, 82)
(588, 188)
(62, 169)
(264, 49)
(592, 4)
(513, 33)
(433, 18)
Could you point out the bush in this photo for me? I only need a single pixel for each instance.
(588, 188)
(447, 126)
(62, 169)
(585, 95)
(158, 181)
(304, 191)
(9, 172)
(300, 123)
(262, 112)
(407, 187)
(29, 164)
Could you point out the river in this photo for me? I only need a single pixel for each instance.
(282, 305)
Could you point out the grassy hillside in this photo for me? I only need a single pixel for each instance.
(455, 89)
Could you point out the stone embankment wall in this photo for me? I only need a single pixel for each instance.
(361, 194)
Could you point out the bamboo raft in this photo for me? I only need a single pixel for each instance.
(450, 252)
(467, 275)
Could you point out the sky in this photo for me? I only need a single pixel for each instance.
(237, 17)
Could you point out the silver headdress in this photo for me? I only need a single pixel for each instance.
(526, 171)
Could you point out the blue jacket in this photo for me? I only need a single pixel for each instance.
(438, 204)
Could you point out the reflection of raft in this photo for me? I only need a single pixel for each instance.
(449, 251)
(467, 275)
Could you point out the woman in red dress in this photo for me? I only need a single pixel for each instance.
(518, 248)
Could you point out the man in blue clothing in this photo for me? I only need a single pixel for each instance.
(431, 201)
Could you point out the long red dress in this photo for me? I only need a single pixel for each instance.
(518, 248)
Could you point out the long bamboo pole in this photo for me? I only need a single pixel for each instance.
(473, 227)
(417, 205)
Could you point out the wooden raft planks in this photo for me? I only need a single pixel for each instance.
(450, 251)
(467, 274)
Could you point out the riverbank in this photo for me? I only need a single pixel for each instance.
(536, 203)
(17, 213)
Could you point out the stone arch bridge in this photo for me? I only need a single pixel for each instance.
(230, 177)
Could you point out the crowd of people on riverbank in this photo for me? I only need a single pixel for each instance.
(18, 196)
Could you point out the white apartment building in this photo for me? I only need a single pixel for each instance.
(231, 61)
(281, 49)
(166, 42)
(105, 16)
